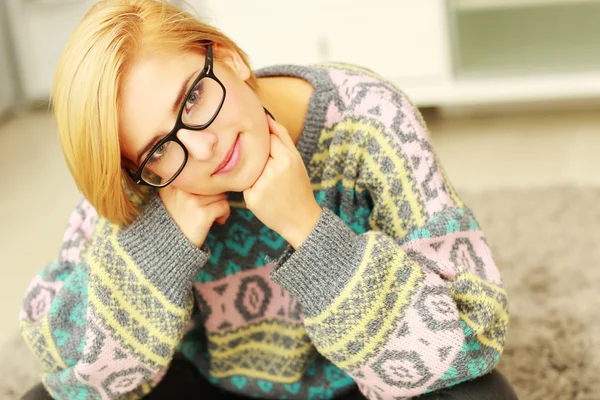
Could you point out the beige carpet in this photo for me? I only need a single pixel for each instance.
(547, 244)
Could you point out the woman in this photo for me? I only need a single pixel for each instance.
(342, 263)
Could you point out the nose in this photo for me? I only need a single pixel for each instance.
(199, 144)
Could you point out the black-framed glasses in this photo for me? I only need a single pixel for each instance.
(200, 107)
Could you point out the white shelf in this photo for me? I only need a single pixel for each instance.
(465, 92)
(518, 41)
(471, 5)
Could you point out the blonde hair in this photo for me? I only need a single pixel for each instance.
(86, 91)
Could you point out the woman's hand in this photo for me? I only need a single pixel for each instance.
(282, 197)
(195, 214)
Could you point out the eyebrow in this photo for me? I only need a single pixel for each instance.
(178, 100)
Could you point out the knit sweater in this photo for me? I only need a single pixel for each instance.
(394, 290)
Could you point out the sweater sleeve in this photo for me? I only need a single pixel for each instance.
(105, 319)
(414, 304)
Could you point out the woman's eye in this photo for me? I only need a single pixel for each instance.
(194, 97)
(158, 154)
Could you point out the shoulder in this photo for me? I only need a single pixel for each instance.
(82, 221)
(80, 230)
(356, 80)
(364, 98)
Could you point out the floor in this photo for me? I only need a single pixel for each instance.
(479, 153)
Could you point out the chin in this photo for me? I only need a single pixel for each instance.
(248, 177)
(244, 182)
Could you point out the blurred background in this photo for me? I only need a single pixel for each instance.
(510, 90)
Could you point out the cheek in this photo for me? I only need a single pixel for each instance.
(185, 181)
(262, 147)
(241, 104)
(194, 178)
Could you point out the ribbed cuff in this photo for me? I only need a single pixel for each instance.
(321, 268)
(163, 253)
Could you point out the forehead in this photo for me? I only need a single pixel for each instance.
(147, 94)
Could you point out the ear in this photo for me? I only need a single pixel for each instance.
(233, 60)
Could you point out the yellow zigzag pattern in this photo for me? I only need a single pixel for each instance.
(265, 359)
(163, 324)
(39, 339)
(273, 326)
(352, 68)
(375, 306)
(484, 306)
(353, 321)
(338, 155)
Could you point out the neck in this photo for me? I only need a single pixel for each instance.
(287, 99)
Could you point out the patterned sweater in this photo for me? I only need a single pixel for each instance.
(394, 290)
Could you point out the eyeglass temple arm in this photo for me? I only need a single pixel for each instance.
(209, 54)
(268, 112)
(209, 59)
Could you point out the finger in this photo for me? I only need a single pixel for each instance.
(222, 219)
(204, 200)
(278, 149)
(279, 130)
(217, 210)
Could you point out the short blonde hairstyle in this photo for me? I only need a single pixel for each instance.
(87, 85)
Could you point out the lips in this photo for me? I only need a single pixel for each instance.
(227, 157)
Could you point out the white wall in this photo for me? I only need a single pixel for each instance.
(413, 43)
(403, 40)
(270, 31)
(7, 80)
(41, 29)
